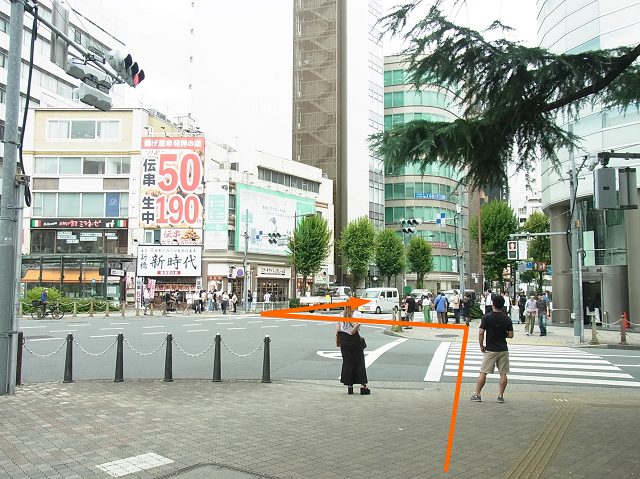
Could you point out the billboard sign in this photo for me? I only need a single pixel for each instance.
(171, 183)
(261, 212)
(183, 261)
(216, 223)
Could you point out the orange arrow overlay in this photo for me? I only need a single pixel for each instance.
(294, 313)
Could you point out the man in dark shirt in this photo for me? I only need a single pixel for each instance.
(411, 307)
(498, 328)
(543, 314)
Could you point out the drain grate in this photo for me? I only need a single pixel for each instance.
(446, 335)
(215, 471)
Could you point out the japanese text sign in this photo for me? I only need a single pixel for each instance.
(171, 186)
(181, 261)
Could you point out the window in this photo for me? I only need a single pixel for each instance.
(58, 129)
(83, 130)
(4, 24)
(118, 165)
(46, 166)
(70, 165)
(68, 205)
(108, 130)
(93, 166)
(44, 205)
(93, 205)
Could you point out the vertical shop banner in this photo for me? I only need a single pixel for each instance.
(171, 186)
(216, 225)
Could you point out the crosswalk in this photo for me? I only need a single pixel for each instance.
(533, 364)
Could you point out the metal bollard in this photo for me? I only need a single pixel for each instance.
(137, 308)
(19, 359)
(106, 308)
(168, 360)
(68, 361)
(266, 361)
(119, 360)
(151, 309)
(75, 310)
(216, 360)
(91, 309)
(623, 329)
(164, 308)
(594, 332)
(123, 307)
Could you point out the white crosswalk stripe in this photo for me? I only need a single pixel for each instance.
(541, 364)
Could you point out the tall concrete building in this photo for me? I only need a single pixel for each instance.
(611, 266)
(338, 102)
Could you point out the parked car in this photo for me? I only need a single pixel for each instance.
(381, 300)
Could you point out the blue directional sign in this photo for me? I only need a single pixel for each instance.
(441, 220)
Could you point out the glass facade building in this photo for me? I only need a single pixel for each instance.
(429, 193)
(609, 237)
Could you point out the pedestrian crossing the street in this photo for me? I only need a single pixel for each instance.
(536, 364)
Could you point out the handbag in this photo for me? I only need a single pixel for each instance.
(363, 343)
(338, 339)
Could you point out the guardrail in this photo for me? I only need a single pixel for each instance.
(168, 343)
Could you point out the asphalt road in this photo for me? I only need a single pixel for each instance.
(300, 349)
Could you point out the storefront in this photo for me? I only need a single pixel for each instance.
(172, 268)
(273, 279)
(82, 257)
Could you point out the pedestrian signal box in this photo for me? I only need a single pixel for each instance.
(512, 250)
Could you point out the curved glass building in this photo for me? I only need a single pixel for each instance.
(609, 238)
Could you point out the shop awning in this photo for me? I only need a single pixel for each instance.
(53, 276)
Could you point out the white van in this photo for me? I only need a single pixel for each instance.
(381, 300)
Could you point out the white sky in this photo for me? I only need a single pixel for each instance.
(242, 50)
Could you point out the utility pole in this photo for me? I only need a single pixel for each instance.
(11, 207)
(461, 236)
(245, 291)
(576, 270)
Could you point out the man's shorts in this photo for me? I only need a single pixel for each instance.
(493, 359)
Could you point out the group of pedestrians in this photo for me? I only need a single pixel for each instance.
(460, 306)
(200, 301)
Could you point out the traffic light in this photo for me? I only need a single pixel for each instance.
(129, 70)
(409, 226)
(512, 250)
(274, 238)
(94, 90)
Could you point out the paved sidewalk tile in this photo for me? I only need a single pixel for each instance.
(238, 430)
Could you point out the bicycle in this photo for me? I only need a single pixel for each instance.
(54, 310)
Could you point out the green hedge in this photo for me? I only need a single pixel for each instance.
(66, 304)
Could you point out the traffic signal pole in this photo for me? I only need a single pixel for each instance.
(576, 252)
(11, 205)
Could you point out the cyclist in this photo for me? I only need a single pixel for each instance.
(44, 300)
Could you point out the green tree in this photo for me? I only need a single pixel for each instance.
(498, 222)
(356, 246)
(509, 95)
(420, 258)
(310, 245)
(539, 247)
(389, 254)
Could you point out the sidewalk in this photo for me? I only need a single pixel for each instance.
(241, 430)
(556, 336)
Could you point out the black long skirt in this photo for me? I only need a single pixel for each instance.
(353, 368)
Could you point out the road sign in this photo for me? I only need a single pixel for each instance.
(441, 219)
(523, 252)
(512, 250)
(116, 272)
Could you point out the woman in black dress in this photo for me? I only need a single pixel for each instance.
(353, 367)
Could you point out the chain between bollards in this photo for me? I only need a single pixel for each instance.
(216, 360)
(120, 360)
(266, 361)
(19, 358)
(68, 361)
(168, 360)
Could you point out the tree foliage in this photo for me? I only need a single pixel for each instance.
(356, 246)
(389, 254)
(539, 248)
(509, 95)
(420, 258)
(498, 222)
(311, 242)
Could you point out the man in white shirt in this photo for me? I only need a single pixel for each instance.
(455, 305)
(488, 302)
